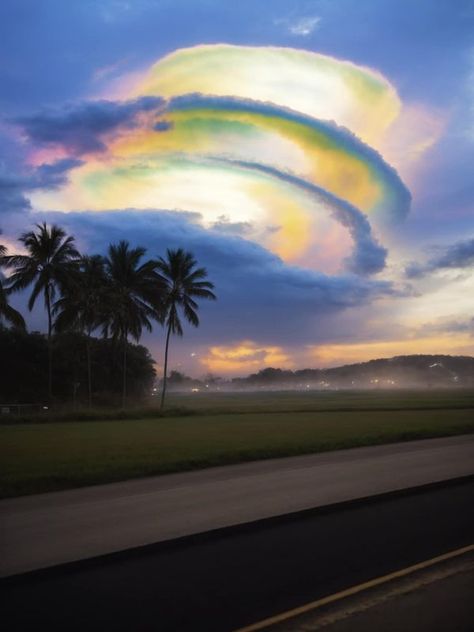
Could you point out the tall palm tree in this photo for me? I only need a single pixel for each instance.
(183, 283)
(133, 297)
(82, 305)
(7, 313)
(50, 260)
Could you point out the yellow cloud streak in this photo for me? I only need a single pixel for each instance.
(243, 357)
(293, 223)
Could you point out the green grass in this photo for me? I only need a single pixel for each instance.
(51, 456)
(215, 403)
(299, 401)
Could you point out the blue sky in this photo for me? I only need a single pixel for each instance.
(272, 309)
(51, 49)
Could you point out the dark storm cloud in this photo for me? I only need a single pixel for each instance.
(54, 175)
(162, 126)
(456, 256)
(465, 325)
(13, 188)
(12, 198)
(80, 128)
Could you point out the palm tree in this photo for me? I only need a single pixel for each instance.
(7, 313)
(133, 297)
(52, 258)
(82, 305)
(183, 283)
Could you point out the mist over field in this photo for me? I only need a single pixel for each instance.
(402, 372)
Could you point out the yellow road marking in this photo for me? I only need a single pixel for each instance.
(313, 605)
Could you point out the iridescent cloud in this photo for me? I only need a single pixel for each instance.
(286, 141)
(320, 86)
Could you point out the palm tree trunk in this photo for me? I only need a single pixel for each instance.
(89, 368)
(124, 383)
(50, 347)
(165, 371)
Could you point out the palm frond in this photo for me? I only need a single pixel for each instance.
(183, 282)
(13, 317)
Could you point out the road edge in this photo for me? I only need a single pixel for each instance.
(221, 532)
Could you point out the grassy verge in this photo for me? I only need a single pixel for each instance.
(215, 403)
(51, 456)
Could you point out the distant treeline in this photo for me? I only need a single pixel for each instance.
(24, 357)
(413, 371)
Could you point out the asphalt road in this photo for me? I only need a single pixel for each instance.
(443, 605)
(241, 576)
(49, 529)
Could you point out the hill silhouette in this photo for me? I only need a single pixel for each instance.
(407, 371)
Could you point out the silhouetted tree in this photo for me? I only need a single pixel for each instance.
(7, 313)
(183, 283)
(50, 260)
(133, 297)
(81, 308)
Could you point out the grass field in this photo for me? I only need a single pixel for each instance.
(215, 403)
(50, 456)
(296, 401)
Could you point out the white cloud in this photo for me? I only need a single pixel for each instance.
(299, 26)
(304, 26)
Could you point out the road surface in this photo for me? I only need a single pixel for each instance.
(223, 582)
(441, 605)
(49, 529)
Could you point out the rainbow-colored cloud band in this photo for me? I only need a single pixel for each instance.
(320, 86)
(277, 138)
(228, 125)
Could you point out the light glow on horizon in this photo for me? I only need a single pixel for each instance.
(242, 358)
